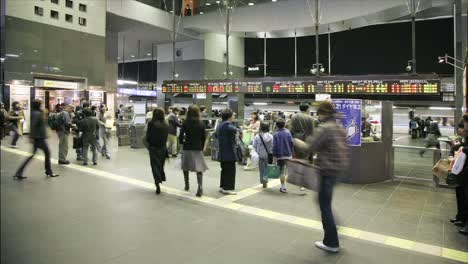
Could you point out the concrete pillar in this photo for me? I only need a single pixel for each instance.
(458, 49)
(207, 101)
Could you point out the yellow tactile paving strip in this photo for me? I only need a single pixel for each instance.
(227, 203)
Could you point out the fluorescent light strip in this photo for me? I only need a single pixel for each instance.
(441, 108)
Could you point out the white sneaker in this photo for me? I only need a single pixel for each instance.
(13, 146)
(229, 192)
(320, 245)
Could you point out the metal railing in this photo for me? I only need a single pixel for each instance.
(409, 164)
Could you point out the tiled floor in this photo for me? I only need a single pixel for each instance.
(83, 219)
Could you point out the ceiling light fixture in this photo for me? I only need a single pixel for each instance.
(133, 56)
(251, 4)
(121, 82)
(274, 0)
(201, 13)
(148, 54)
(208, 4)
(218, 2)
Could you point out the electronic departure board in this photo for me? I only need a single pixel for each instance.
(285, 87)
(367, 87)
(322, 85)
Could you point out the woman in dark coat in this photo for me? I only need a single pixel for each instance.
(226, 134)
(156, 135)
(192, 137)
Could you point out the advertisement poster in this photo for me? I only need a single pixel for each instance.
(351, 111)
(22, 94)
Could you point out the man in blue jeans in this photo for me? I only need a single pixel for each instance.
(329, 142)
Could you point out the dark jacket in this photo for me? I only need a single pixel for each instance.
(38, 125)
(156, 134)
(90, 127)
(174, 123)
(282, 144)
(226, 134)
(192, 135)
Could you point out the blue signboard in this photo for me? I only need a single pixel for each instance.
(351, 111)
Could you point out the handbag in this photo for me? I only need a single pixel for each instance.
(452, 179)
(178, 162)
(77, 142)
(304, 174)
(442, 169)
(273, 171)
(239, 149)
(270, 155)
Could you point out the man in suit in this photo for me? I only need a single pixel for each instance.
(63, 131)
(89, 128)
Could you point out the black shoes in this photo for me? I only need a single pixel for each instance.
(158, 189)
(52, 175)
(199, 191)
(64, 162)
(453, 220)
(459, 223)
(94, 163)
(19, 177)
(85, 164)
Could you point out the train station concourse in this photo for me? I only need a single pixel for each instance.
(233, 131)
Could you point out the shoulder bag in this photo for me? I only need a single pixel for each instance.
(270, 155)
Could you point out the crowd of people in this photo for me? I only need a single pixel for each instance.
(182, 134)
(90, 124)
(165, 135)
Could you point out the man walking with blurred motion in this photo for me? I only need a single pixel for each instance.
(329, 142)
(38, 136)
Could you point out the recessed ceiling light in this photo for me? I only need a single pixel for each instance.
(201, 13)
(274, 0)
(148, 54)
(251, 4)
(208, 4)
(218, 2)
(133, 56)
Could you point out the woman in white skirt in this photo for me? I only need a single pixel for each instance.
(192, 137)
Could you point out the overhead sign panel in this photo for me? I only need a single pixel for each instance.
(323, 85)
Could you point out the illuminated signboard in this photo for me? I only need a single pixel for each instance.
(137, 92)
(323, 85)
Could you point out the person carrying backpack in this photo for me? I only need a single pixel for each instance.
(263, 145)
(329, 142)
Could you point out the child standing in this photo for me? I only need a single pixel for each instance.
(282, 150)
(263, 144)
